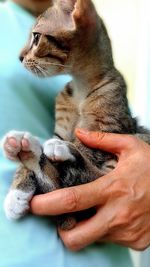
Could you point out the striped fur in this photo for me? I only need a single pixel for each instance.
(71, 38)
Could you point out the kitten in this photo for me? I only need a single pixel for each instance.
(69, 38)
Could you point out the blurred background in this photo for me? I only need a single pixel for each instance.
(128, 23)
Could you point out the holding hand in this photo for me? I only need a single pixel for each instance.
(121, 198)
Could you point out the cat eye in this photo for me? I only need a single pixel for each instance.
(36, 39)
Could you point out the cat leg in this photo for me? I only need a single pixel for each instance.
(16, 147)
(73, 165)
(75, 168)
(23, 147)
(16, 203)
(57, 150)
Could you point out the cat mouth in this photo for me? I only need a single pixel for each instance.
(36, 69)
(44, 69)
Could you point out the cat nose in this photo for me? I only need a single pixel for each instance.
(21, 58)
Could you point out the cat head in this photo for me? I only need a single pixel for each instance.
(61, 38)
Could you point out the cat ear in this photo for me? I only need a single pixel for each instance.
(67, 5)
(84, 12)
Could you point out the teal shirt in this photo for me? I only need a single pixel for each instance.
(27, 103)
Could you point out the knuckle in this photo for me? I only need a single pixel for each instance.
(118, 185)
(70, 243)
(101, 136)
(132, 237)
(115, 186)
(70, 200)
(124, 218)
(132, 141)
(139, 246)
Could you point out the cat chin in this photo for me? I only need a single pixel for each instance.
(48, 74)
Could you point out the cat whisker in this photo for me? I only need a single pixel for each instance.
(32, 69)
(54, 64)
(42, 71)
(35, 72)
(45, 71)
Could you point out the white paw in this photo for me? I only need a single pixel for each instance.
(57, 150)
(16, 204)
(14, 142)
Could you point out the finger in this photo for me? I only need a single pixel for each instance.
(115, 238)
(72, 199)
(86, 232)
(110, 142)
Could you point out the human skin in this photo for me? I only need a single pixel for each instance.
(121, 198)
(35, 7)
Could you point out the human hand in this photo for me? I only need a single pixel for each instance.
(121, 198)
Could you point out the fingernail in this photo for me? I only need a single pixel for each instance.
(82, 131)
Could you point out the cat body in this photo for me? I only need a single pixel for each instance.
(70, 38)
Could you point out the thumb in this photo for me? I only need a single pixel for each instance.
(114, 143)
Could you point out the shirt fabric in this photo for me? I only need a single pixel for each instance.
(27, 103)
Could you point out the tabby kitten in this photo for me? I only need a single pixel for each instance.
(69, 38)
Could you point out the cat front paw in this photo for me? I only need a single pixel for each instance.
(22, 145)
(16, 203)
(57, 150)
